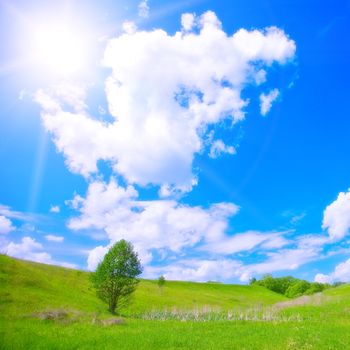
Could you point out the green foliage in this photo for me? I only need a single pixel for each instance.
(316, 287)
(297, 289)
(290, 286)
(161, 281)
(115, 277)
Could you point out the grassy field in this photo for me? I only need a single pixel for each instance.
(47, 307)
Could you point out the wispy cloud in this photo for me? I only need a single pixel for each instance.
(266, 101)
(143, 9)
(13, 214)
(54, 238)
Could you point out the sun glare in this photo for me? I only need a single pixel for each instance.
(59, 47)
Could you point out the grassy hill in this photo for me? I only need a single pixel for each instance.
(29, 287)
(49, 307)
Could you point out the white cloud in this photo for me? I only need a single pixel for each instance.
(55, 209)
(143, 9)
(172, 228)
(321, 278)
(188, 21)
(5, 225)
(226, 269)
(275, 240)
(30, 249)
(244, 241)
(312, 240)
(341, 273)
(171, 107)
(129, 27)
(218, 147)
(267, 100)
(53, 238)
(303, 250)
(95, 256)
(158, 224)
(12, 214)
(282, 260)
(336, 217)
(197, 270)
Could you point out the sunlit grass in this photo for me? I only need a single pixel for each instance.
(47, 307)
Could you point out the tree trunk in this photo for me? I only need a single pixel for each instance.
(112, 305)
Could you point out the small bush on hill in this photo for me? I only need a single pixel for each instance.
(290, 286)
(161, 281)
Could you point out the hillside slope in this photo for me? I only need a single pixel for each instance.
(29, 287)
(29, 292)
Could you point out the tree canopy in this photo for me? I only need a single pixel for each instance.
(115, 278)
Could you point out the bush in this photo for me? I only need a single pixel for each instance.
(161, 281)
(297, 289)
(290, 286)
(316, 288)
(278, 285)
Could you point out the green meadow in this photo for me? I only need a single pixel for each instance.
(49, 307)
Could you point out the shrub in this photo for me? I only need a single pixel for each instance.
(290, 286)
(297, 289)
(161, 281)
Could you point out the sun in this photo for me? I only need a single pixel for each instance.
(59, 47)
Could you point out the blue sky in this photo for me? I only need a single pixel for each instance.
(213, 135)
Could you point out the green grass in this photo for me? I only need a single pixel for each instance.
(28, 289)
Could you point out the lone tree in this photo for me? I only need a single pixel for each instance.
(115, 277)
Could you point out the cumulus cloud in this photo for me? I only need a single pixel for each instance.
(166, 94)
(143, 9)
(322, 278)
(53, 238)
(266, 101)
(28, 249)
(188, 21)
(95, 256)
(341, 273)
(336, 217)
(172, 229)
(5, 225)
(190, 81)
(149, 225)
